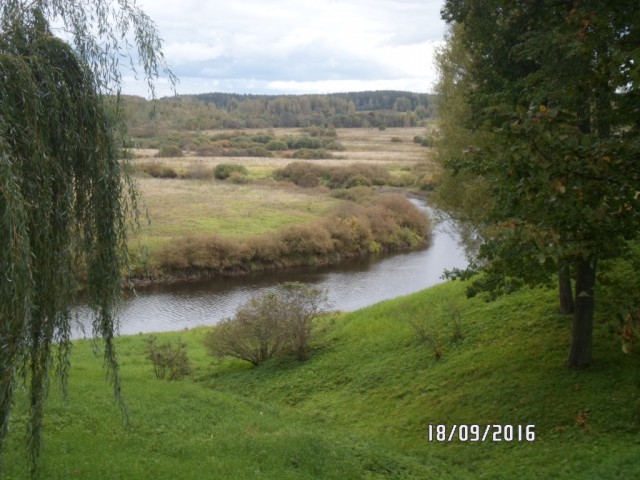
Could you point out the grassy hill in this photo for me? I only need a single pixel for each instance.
(361, 406)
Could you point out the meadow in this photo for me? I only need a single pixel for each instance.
(361, 406)
(383, 387)
(184, 202)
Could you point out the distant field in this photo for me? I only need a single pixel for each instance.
(369, 145)
(258, 205)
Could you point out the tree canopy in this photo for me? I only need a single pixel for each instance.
(550, 108)
(66, 203)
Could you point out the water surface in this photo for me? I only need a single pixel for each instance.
(350, 285)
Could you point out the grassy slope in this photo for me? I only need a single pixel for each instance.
(361, 406)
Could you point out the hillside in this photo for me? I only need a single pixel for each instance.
(362, 405)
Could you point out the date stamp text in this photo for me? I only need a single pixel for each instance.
(481, 433)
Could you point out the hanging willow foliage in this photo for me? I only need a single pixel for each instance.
(66, 202)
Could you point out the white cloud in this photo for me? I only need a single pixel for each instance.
(297, 46)
(186, 52)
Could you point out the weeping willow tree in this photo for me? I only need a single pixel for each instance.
(66, 202)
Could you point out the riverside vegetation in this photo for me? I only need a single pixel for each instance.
(238, 201)
(360, 407)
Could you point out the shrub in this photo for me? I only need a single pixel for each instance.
(356, 175)
(321, 131)
(427, 182)
(276, 145)
(330, 144)
(269, 325)
(405, 213)
(309, 180)
(247, 151)
(307, 241)
(357, 180)
(297, 305)
(262, 138)
(224, 170)
(312, 154)
(396, 223)
(209, 150)
(405, 179)
(238, 178)
(355, 194)
(170, 361)
(351, 231)
(295, 171)
(168, 151)
(427, 142)
(426, 336)
(157, 170)
(204, 252)
(304, 143)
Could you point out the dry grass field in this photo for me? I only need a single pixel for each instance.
(392, 147)
(178, 208)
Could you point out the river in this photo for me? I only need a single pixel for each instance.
(350, 285)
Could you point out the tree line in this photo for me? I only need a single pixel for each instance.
(210, 111)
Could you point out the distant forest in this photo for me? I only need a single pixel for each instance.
(212, 111)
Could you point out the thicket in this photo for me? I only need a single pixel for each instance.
(225, 170)
(305, 174)
(168, 151)
(269, 325)
(425, 141)
(374, 224)
(157, 170)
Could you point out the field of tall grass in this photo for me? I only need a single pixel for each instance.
(211, 215)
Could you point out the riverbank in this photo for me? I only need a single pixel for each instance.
(217, 215)
(361, 407)
(367, 224)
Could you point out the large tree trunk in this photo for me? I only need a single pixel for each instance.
(564, 288)
(582, 333)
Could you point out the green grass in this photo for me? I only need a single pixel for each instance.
(361, 406)
(180, 208)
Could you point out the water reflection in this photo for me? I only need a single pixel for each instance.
(350, 285)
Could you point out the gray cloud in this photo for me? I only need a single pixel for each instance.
(258, 46)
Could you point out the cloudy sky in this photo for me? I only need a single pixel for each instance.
(296, 46)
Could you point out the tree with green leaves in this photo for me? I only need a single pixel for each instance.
(66, 202)
(551, 97)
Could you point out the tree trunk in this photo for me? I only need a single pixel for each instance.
(564, 288)
(582, 333)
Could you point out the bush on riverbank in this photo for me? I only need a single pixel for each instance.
(269, 325)
(385, 223)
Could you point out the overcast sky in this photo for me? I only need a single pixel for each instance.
(296, 46)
